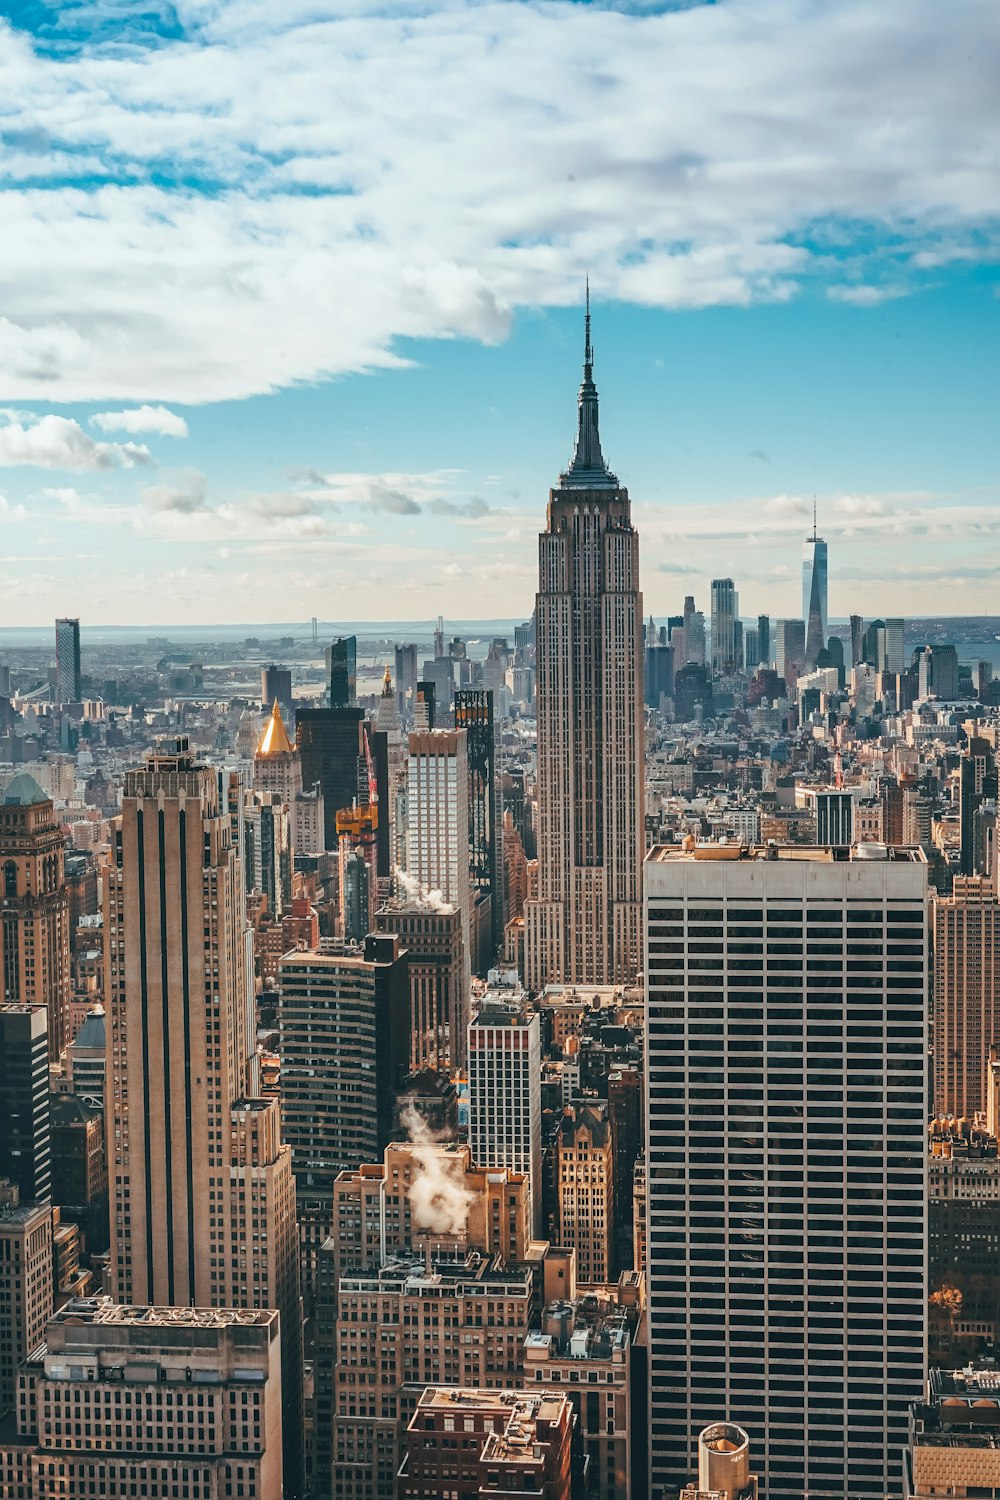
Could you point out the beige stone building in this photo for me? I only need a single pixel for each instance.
(35, 961)
(427, 1196)
(511, 1443)
(26, 1287)
(153, 1401)
(585, 1178)
(966, 994)
(397, 1329)
(202, 1193)
(582, 926)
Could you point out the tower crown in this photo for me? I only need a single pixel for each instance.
(587, 468)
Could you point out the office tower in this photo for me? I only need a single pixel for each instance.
(834, 819)
(432, 933)
(387, 722)
(519, 1443)
(584, 925)
(156, 1401)
(585, 1187)
(786, 1134)
(329, 745)
(423, 706)
(203, 1199)
(267, 825)
(459, 1319)
(658, 678)
(427, 1194)
(639, 1257)
(895, 658)
(966, 1014)
(764, 639)
(276, 764)
(937, 672)
(79, 1172)
(857, 639)
(34, 908)
(751, 650)
(342, 672)
(26, 1286)
(276, 687)
(474, 714)
(309, 823)
(977, 784)
(725, 618)
(86, 1059)
(437, 836)
(814, 595)
(692, 636)
(342, 1023)
(723, 1466)
(439, 650)
(25, 1152)
(626, 1118)
(505, 1096)
(68, 688)
(790, 650)
(407, 671)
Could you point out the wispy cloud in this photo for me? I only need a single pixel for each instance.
(182, 224)
(141, 419)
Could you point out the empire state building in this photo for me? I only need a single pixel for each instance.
(583, 926)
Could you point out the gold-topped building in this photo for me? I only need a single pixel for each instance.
(34, 908)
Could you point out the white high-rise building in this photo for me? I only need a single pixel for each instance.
(786, 1052)
(437, 835)
(505, 1095)
(584, 925)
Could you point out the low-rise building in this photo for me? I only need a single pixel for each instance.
(154, 1401)
(584, 1347)
(472, 1444)
(954, 1446)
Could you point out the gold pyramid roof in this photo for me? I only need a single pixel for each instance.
(274, 740)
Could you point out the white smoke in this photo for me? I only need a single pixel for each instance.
(410, 890)
(439, 1199)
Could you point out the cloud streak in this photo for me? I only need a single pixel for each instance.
(167, 208)
(53, 442)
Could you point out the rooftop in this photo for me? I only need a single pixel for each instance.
(103, 1310)
(24, 791)
(689, 853)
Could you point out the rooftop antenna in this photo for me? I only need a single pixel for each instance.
(814, 536)
(588, 353)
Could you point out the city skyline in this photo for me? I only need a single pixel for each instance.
(773, 322)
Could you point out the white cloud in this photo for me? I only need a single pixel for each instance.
(183, 496)
(52, 442)
(331, 196)
(141, 419)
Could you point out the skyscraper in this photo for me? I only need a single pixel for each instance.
(437, 838)
(67, 661)
(790, 651)
(276, 686)
(505, 1095)
(342, 672)
(203, 1199)
(343, 1022)
(25, 1155)
(763, 640)
(786, 1021)
(725, 618)
(34, 908)
(584, 925)
(276, 762)
(474, 714)
(814, 594)
(966, 993)
(432, 932)
(329, 745)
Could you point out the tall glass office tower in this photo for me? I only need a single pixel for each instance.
(814, 594)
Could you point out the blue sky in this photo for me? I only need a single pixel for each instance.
(290, 313)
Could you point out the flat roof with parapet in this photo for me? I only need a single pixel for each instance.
(520, 1405)
(815, 854)
(103, 1310)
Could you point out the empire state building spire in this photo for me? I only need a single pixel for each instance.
(587, 469)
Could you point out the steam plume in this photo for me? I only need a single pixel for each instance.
(439, 1199)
